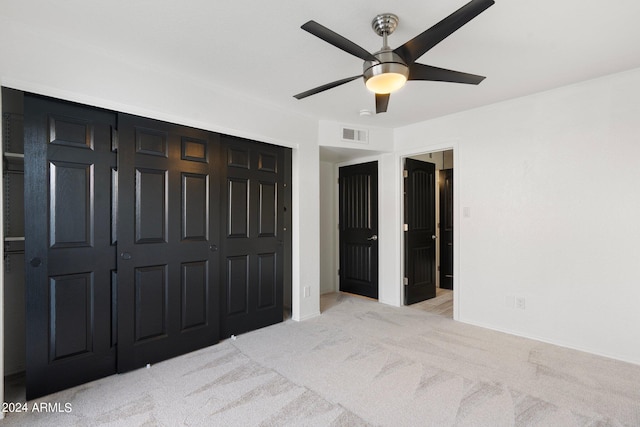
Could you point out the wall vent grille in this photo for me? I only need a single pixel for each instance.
(355, 135)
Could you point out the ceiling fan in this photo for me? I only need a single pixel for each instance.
(388, 70)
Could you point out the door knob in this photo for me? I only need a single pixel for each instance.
(434, 237)
(35, 262)
(125, 256)
(213, 248)
(374, 238)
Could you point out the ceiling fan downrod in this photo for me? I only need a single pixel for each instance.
(383, 25)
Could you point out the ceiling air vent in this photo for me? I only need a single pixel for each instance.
(355, 135)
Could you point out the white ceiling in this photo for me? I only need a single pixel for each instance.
(257, 47)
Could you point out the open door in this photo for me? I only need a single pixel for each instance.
(358, 213)
(420, 231)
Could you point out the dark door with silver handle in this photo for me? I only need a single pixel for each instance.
(358, 218)
(420, 231)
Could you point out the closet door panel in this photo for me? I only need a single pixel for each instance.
(68, 244)
(168, 266)
(254, 235)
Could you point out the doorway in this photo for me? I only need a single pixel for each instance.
(428, 231)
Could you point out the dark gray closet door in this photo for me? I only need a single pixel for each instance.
(254, 235)
(70, 251)
(168, 225)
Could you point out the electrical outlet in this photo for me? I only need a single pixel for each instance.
(307, 291)
(521, 303)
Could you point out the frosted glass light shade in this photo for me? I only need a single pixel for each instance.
(386, 82)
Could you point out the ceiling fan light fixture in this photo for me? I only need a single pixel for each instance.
(386, 77)
(386, 83)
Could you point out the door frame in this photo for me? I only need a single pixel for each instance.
(400, 160)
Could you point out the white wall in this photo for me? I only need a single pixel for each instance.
(328, 228)
(551, 184)
(389, 226)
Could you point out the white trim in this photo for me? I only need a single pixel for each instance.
(360, 160)
(295, 235)
(560, 343)
(308, 316)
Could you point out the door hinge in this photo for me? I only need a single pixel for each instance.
(405, 281)
(405, 227)
(114, 140)
(405, 173)
(338, 272)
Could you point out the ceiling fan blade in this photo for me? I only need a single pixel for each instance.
(416, 47)
(382, 101)
(337, 40)
(427, 72)
(325, 87)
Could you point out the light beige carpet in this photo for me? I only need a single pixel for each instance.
(362, 363)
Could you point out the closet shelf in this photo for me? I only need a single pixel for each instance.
(10, 155)
(14, 244)
(14, 162)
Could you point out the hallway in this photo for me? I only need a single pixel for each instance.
(442, 304)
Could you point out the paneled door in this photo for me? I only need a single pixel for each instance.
(168, 236)
(358, 226)
(254, 235)
(69, 246)
(420, 231)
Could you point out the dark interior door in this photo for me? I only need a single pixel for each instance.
(168, 236)
(420, 231)
(254, 235)
(358, 213)
(70, 251)
(446, 228)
